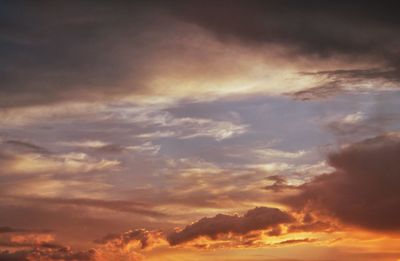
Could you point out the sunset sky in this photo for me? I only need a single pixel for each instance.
(199, 130)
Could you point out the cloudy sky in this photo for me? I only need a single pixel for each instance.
(199, 130)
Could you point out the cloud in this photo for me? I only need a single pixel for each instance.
(296, 241)
(100, 146)
(78, 50)
(128, 245)
(370, 28)
(317, 30)
(7, 229)
(363, 190)
(47, 252)
(255, 219)
(280, 184)
(145, 238)
(316, 226)
(322, 91)
(114, 205)
(363, 124)
(26, 244)
(24, 146)
(274, 153)
(338, 81)
(69, 163)
(182, 48)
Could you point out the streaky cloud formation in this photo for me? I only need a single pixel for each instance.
(136, 130)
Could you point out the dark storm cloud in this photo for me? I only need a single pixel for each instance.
(353, 30)
(71, 50)
(255, 219)
(363, 190)
(320, 28)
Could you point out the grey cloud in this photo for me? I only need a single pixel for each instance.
(279, 185)
(69, 50)
(47, 253)
(338, 81)
(255, 219)
(6, 229)
(321, 28)
(115, 205)
(363, 190)
(25, 146)
(356, 30)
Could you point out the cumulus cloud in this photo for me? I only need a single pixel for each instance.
(255, 219)
(363, 190)
(128, 245)
(124, 246)
(30, 244)
(145, 238)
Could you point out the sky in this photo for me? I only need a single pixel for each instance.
(199, 130)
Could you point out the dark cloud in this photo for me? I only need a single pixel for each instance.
(363, 190)
(146, 238)
(54, 252)
(320, 28)
(14, 256)
(7, 229)
(24, 146)
(317, 226)
(115, 205)
(47, 253)
(354, 30)
(337, 81)
(255, 219)
(279, 185)
(322, 91)
(358, 74)
(69, 50)
(297, 241)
